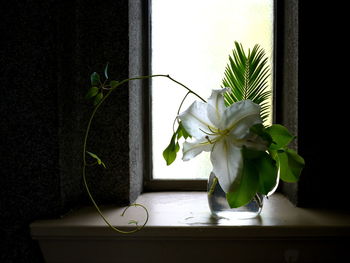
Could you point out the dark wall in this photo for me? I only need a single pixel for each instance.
(323, 115)
(30, 183)
(48, 51)
(311, 66)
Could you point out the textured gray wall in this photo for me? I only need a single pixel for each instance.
(288, 33)
(101, 36)
(138, 51)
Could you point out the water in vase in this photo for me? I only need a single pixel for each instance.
(220, 208)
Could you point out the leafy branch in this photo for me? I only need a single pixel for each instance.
(99, 92)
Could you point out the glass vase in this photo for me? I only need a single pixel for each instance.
(220, 208)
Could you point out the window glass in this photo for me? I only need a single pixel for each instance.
(191, 41)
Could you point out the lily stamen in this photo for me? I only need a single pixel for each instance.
(207, 137)
(214, 132)
(207, 132)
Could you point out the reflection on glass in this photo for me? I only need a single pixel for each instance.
(191, 41)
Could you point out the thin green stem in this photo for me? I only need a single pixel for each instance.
(178, 111)
(213, 185)
(191, 91)
(105, 219)
(85, 145)
(121, 83)
(182, 102)
(160, 75)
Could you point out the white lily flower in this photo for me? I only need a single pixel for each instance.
(223, 131)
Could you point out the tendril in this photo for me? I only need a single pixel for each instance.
(91, 164)
(178, 111)
(85, 164)
(105, 219)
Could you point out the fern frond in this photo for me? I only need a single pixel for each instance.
(247, 77)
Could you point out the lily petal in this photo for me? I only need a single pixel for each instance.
(192, 149)
(242, 128)
(195, 120)
(227, 163)
(216, 106)
(240, 117)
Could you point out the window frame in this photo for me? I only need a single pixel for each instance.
(151, 184)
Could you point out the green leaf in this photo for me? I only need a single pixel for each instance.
(296, 162)
(106, 71)
(91, 93)
(177, 146)
(267, 168)
(113, 83)
(95, 79)
(98, 98)
(185, 134)
(169, 153)
(244, 191)
(280, 135)
(99, 161)
(260, 130)
(290, 165)
(249, 153)
(181, 132)
(103, 164)
(93, 155)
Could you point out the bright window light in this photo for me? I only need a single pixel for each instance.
(191, 41)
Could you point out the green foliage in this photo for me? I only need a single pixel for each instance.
(182, 132)
(246, 75)
(262, 167)
(290, 164)
(241, 193)
(267, 169)
(98, 98)
(280, 135)
(113, 84)
(92, 92)
(259, 174)
(98, 160)
(96, 92)
(170, 152)
(95, 79)
(261, 131)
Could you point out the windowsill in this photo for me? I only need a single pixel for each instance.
(184, 218)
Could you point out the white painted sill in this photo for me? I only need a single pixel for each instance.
(180, 229)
